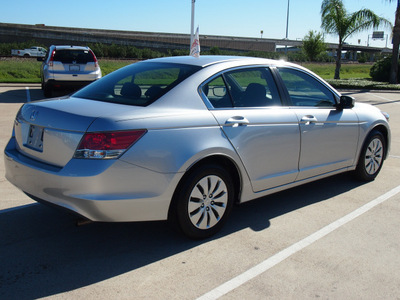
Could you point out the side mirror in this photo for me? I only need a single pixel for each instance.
(345, 102)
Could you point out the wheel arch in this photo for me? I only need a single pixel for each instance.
(385, 132)
(220, 160)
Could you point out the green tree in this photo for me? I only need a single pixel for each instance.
(336, 20)
(313, 45)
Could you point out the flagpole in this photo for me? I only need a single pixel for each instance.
(192, 24)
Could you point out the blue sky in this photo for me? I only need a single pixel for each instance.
(214, 17)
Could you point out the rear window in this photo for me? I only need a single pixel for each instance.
(139, 84)
(70, 56)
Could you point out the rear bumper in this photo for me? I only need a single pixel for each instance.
(99, 190)
(68, 79)
(54, 84)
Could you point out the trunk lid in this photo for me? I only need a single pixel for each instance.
(50, 131)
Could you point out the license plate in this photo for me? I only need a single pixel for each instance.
(74, 68)
(35, 138)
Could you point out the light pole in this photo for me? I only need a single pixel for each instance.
(287, 25)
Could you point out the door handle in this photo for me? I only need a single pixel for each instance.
(307, 120)
(236, 121)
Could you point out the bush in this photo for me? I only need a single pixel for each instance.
(215, 51)
(313, 45)
(380, 71)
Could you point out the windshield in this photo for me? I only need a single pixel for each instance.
(139, 84)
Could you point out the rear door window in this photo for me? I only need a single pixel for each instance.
(249, 87)
(217, 93)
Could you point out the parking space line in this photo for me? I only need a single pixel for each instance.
(28, 94)
(383, 98)
(7, 210)
(270, 262)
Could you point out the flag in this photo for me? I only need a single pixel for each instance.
(195, 47)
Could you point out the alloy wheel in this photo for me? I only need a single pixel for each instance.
(373, 156)
(207, 202)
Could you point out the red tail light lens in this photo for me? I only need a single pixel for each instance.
(107, 145)
(96, 63)
(52, 58)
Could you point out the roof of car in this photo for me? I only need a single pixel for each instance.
(207, 60)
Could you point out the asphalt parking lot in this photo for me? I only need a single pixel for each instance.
(332, 239)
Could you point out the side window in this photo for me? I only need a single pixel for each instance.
(304, 90)
(252, 88)
(217, 93)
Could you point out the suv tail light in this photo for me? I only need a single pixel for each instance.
(96, 63)
(107, 145)
(52, 58)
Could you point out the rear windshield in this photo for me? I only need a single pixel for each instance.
(70, 56)
(139, 84)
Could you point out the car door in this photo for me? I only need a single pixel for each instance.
(329, 136)
(265, 134)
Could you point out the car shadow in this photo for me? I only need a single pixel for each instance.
(43, 253)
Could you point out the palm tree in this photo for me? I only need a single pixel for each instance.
(396, 41)
(336, 20)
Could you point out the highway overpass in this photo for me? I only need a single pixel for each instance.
(49, 35)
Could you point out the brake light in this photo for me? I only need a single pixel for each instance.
(96, 63)
(107, 145)
(52, 58)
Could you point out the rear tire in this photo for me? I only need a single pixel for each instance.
(371, 157)
(47, 90)
(203, 201)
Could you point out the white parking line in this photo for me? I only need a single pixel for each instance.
(28, 94)
(382, 98)
(241, 279)
(7, 210)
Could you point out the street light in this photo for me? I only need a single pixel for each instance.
(287, 25)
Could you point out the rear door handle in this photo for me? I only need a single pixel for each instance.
(237, 121)
(307, 120)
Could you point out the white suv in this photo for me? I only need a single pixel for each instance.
(68, 67)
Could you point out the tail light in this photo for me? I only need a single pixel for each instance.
(107, 145)
(96, 63)
(52, 58)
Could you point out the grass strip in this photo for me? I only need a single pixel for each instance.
(354, 76)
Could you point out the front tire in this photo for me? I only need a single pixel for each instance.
(371, 157)
(204, 201)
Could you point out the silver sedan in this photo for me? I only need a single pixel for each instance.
(185, 138)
